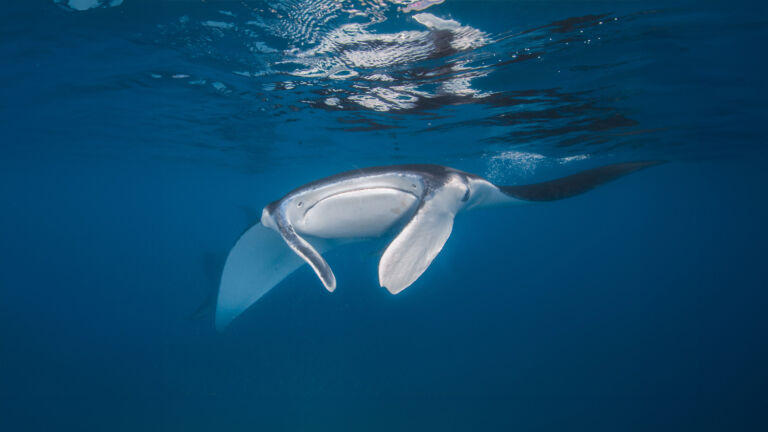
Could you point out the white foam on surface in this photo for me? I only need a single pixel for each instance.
(434, 23)
(218, 24)
(261, 47)
(353, 49)
(370, 102)
(421, 5)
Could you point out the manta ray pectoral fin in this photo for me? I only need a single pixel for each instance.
(308, 253)
(414, 248)
(575, 184)
(259, 260)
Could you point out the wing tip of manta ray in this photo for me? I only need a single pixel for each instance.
(224, 315)
(578, 183)
(393, 289)
(222, 321)
(392, 285)
(259, 260)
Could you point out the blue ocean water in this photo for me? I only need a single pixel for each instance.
(140, 138)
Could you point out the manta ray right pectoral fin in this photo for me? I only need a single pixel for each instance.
(414, 248)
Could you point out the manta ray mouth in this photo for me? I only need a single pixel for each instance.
(354, 191)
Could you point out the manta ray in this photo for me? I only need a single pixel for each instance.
(417, 202)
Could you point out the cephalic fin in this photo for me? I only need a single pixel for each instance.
(307, 252)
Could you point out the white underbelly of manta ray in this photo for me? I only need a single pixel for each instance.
(419, 200)
(358, 213)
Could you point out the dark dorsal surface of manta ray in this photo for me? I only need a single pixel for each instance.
(419, 200)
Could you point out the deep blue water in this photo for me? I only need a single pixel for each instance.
(138, 141)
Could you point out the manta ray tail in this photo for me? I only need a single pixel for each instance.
(575, 184)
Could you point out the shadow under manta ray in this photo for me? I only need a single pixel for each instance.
(369, 203)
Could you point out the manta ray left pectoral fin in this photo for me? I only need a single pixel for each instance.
(259, 260)
(414, 248)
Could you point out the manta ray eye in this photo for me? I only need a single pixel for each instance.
(299, 204)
